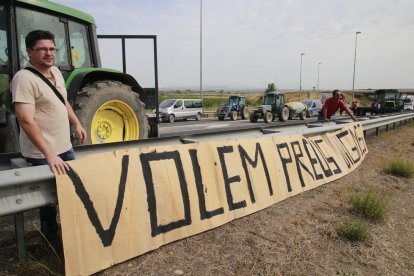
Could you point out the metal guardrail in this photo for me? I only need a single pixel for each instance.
(29, 188)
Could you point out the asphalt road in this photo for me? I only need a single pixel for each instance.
(212, 123)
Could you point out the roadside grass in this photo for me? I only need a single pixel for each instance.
(40, 257)
(353, 229)
(400, 167)
(370, 204)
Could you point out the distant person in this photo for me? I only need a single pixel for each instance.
(342, 98)
(375, 107)
(354, 106)
(331, 106)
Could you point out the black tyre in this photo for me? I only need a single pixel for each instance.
(245, 113)
(253, 117)
(233, 115)
(221, 118)
(268, 117)
(284, 114)
(110, 112)
(302, 115)
(198, 117)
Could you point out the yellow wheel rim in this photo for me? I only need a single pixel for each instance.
(114, 121)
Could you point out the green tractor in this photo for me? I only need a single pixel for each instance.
(276, 107)
(236, 107)
(389, 100)
(109, 103)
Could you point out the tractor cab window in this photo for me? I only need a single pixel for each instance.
(4, 55)
(233, 100)
(4, 64)
(269, 99)
(242, 101)
(27, 21)
(79, 46)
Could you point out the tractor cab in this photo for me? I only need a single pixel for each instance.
(237, 101)
(275, 100)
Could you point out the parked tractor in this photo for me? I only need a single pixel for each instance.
(108, 103)
(389, 100)
(236, 107)
(276, 107)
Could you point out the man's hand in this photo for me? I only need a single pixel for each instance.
(57, 165)
(81, 133)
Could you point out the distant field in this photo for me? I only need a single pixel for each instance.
(212, 99)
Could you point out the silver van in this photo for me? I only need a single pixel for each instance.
(180, 109)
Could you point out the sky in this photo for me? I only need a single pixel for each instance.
(247, 44)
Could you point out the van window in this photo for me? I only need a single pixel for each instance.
(167, 103)
(178, 104)
(193, 104)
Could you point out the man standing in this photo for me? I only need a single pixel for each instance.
(44, 117)
(331, 106)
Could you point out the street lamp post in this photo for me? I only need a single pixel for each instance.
(201, 51)
(300, 77)
(353, 78)
(317, 84)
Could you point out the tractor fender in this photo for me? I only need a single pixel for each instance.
(80, 78)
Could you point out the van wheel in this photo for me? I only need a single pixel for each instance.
(171, 118)
(198, 116)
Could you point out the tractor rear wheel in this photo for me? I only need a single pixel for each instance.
(253, 117)
(302, 115)
(110, 112)
(233, 115)
(284, 114)
(245, 113)
(268, 117)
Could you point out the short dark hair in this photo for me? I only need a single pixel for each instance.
(36, 35)
(336, 91)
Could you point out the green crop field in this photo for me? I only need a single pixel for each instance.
(213, 99)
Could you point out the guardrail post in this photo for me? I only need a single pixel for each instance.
(19, 231)
(393, 126)
(387, 128)
(376, 131)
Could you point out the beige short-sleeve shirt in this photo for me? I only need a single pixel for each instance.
(50, 113)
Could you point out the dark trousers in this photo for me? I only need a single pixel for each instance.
(48, 223)
(320, 116)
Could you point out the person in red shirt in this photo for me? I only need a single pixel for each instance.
(354, 106)
(331, 106)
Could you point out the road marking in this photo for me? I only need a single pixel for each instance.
(218, 126)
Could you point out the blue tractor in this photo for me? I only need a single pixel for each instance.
(236, 107)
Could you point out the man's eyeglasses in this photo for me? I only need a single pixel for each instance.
(43, 50)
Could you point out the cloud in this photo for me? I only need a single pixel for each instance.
(249, 43)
